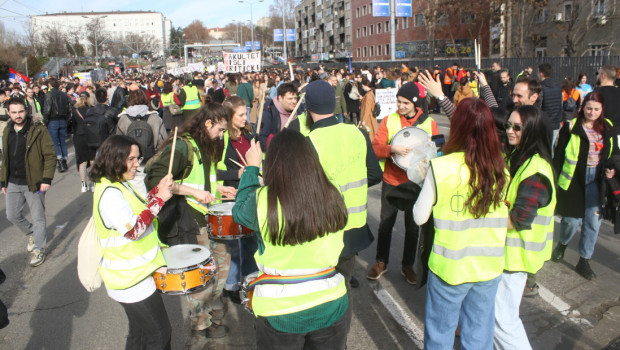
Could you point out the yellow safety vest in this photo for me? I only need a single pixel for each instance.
(192, 98)
(167, 99)
(527, 250)
(466, 249)
(125, 263)
(308, 258)
(394, 126)
(196, 178)
(333, 145)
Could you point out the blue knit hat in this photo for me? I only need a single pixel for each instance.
(320, 97)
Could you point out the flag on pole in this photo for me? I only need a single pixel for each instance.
(16, 77)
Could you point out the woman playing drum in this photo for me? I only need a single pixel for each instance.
(127, 228)
(299, 299)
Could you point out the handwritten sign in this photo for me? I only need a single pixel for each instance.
(386, 98)
(242, 62)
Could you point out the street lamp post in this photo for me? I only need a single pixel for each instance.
(251, 19)
(97, 18)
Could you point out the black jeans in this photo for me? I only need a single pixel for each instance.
(149, 327)
(333, 337)
(388, 219)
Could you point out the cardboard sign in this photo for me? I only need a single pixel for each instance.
(386, 98)
(242, 62)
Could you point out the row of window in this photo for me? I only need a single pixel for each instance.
(568, 11)
(369, 51)
(370, 30)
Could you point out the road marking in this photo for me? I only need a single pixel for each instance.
(563, 307)
(402, 317)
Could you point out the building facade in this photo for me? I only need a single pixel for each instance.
(118, 24)
(562, 28)
(323, 29)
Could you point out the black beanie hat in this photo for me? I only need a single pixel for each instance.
(320, 97)
(409, 91)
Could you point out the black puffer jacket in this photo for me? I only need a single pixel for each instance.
(552, 101)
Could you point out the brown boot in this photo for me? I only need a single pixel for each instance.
(377, 270)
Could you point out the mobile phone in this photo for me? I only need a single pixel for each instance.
(439, 140)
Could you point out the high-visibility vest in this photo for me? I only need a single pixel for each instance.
(394, 126)
(333, 145)
(466, 249)
(527, 250)
(125, 263)
(304, 259)
(196, 178)
(447, 80)
(167, 99)
(303, 128)
(192, 99)
(571, 156)
(574, 94)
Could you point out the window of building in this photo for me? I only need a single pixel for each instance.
(468, 17)
(542, 14)
(347, 6)
(358, 33)
(359, 52)
(365, 32)
(364, 10)
(372, 51)
(387, 26)
(347, 22)
(405, 22)
(379, 51)
(418, 20)
(365, 51)
(357, 12)
(442, 19)
(379, 28)
(395, 23)
(599, 50)
(372, 29)
(598, 7)
(387, 49)
(568, 11)
(328, 11)
(541, 52)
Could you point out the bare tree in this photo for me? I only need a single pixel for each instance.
(53, 40)
(96, 36)
(196, 32)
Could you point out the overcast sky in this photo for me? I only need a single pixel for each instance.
(213, 13)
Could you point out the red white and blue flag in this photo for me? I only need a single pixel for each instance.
(16, 77)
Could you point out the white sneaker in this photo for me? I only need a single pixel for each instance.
(30, 245)
(37, 258)
(84, 187)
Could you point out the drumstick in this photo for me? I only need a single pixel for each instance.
(260, 113)
(236, 163)
(241, 157)
(224, 199)
(174, 142)
(294, 112)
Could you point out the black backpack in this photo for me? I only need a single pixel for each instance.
(98, 127)
(377, 111)
(142, 132)
(570, 105)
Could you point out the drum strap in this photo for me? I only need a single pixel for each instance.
(274, 279)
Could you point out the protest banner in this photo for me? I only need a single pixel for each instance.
(386, 98)
(242, 62)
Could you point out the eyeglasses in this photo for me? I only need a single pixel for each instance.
(133, 159)
(515, 127)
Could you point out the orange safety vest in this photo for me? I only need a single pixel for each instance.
(573, 93)
(447, 79)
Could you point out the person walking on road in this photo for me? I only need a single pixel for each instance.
(28, 165)
(126, 225)
(56, 112)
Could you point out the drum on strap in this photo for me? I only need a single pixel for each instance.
(412, 137)
(220, 223)
(190, 269)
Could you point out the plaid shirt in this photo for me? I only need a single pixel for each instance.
(533, 193)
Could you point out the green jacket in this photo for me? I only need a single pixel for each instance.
(246, 92)
(40, 156)
(341, 103)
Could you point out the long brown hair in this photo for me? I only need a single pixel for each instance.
(599, 125)
(312, 207)
(231, 104)
(475, 135)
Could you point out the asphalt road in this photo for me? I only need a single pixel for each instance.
(49, 309)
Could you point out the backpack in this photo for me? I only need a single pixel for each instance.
(142, 132)
(97, 127)
(377, 110)
(570, 105)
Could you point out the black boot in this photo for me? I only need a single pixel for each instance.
(63, 165)
(583, 268)
(58, 166)
(558, 252)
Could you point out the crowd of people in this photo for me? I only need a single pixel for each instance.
(519, 152)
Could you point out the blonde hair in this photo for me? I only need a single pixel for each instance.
(83, 101)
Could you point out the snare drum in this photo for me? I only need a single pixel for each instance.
(246, 294)
(220, 223)
(185, 273)
(409, 137)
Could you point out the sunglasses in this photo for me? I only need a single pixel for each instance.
(515, 127)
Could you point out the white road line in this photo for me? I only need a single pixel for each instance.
(563, 307)
(402, 317)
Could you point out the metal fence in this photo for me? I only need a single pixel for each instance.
(562, 67)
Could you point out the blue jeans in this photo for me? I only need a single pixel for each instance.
(340, 117)
(473, 302)
(242, 261)
(591, 222)
(58, 130)
(509, 331)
